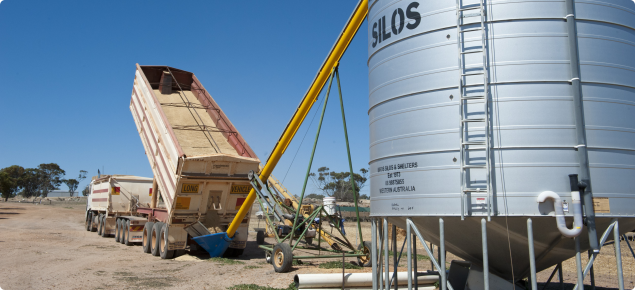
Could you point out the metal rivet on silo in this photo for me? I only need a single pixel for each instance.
(448, 36)
(451, 97)
(454, 159)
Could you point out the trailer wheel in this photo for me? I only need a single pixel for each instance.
(93, 224)
(147, 237)
(99, 223)
(104, 233)
(122, 229)
(282, 258)
(365, 261)
(260, 237)
(164, 243)
(127, 230)
(155, 237)
(118, 231)
(89, 218)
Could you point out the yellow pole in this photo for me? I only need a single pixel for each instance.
(345, 38)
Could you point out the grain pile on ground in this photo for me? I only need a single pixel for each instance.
(47, 247)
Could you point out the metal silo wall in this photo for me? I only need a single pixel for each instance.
(413, 119)
(414, 112)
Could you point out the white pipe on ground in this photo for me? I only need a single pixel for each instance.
(371, 288)
(353, 280)
(560, 222)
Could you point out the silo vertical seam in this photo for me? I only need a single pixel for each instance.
(578, 109)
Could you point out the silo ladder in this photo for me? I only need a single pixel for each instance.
(470, 95)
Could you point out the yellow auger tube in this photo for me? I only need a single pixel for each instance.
(334, 56)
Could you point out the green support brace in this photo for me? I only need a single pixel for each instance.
(350, 163)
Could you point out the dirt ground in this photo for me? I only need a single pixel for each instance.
(47, 247)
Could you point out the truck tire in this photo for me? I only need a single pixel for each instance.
(164, 243)
(100, 218)
(93, 224)
(104, 233)
(122, 229)
(155, 237)
(147, 237)
(118, 231)
(127, 230)
(260, 237)
(365, 261)
(89, 217)
(282, 258)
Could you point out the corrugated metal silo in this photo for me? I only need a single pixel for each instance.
(419, 75)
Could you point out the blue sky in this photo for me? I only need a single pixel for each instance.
(67, 68)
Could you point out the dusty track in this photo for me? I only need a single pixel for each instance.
(47, 247)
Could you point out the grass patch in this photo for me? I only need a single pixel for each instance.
(257, 287)
(405, 255)
(252, 267)
(338, 265)
(135, 282)
(225, 261)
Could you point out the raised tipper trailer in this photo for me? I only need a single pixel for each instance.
(112, 206)
(199, 160)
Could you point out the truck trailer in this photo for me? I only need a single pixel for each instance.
(114, 198)
(199, 160)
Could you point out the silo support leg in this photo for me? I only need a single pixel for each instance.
(591, 273)
(373, 251)
(485, 255)
(386, 264)
(556, 269)
(409, 223)
(618, 255)
(442, 253)
(409, 255)
(629, 245)
(578, 264)
(532, 255)
(560, 276)
(605, 236)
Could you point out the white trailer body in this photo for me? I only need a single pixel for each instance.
(114, 196)
(199, 160)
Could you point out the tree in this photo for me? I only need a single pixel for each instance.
(315, 196)
(50, 177)
(338, 184)
(30, 182)
(8, 185)
(86, 190)
(74, 183)
(10, 180)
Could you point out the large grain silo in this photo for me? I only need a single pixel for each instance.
(474, 117)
